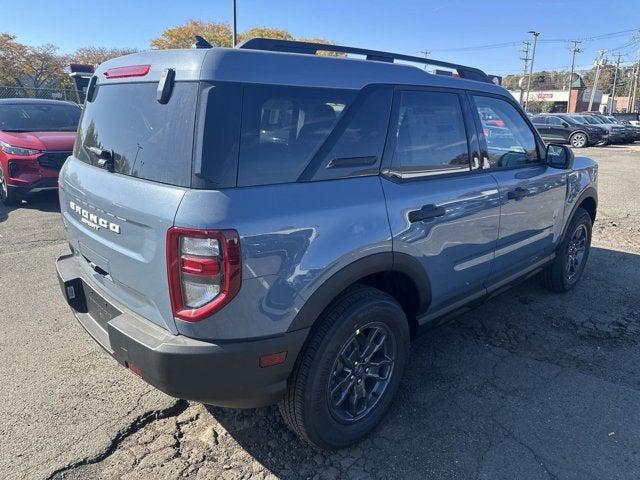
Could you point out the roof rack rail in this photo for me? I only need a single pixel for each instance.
(310, 48)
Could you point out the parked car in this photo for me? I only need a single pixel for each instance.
(263, 225)
(616, 133)
(634, 130)
(560, 128)
(36, 137)
(628, 132)
(632, 117)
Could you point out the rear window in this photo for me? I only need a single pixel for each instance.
(149, 140)
(34, 117)
(283, 127)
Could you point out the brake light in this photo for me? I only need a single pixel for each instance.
(128, 71)
(204, 270)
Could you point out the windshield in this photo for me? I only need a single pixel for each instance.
(570, 120)
(593, 120)
(146, 139)
(612, 120)
(34, 117)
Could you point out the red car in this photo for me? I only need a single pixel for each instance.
(36, 137)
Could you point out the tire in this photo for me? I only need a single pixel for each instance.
(564, 272)
(323, 367)
(8, 195)
(578, 140)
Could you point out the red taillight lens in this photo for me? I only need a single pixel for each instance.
(128, 71)
(204, 269)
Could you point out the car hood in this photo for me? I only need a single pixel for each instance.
(53, 141)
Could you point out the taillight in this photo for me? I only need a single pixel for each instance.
(204, 269)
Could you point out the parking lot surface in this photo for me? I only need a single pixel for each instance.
(531, 385)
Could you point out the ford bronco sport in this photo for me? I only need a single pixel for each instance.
(263, 225)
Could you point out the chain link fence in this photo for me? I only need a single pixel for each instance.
(70, 94)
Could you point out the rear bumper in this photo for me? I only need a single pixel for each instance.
(226, 374)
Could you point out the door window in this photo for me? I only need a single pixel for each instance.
(430, 135)
(510, 141)
(555, 121)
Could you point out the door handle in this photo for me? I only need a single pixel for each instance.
(517, 193)
(427, 212)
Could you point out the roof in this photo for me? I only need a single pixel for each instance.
(34, 101)
(279, 68)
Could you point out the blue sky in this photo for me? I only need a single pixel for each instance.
(406, 26)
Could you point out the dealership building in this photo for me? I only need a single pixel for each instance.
(578, 102)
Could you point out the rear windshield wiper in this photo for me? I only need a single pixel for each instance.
(105, 157)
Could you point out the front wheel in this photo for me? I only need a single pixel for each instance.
(578, 140)
(348, 373)
(7, 194)
(564, 272)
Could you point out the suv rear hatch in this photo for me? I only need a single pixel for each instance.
(121, 188)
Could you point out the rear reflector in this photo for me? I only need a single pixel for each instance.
(134, 369)
(128, 71)
(273, 359)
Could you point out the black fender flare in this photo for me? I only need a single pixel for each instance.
(357, 270)
(589, 192)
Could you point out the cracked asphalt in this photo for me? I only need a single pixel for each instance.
(531, 385)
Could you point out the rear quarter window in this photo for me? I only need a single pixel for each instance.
(282, 129)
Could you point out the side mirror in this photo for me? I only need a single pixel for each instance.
(559, 156)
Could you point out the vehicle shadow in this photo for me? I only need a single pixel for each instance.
(529, 385)
(43, 201)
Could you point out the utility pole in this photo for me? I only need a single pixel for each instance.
(634, 82)
(234, 24)
(595, 80)
(615, 80)
(426, 56)
(533, 56)
(525, 59)
(574, 51)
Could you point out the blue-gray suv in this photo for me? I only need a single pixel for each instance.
(264, 225)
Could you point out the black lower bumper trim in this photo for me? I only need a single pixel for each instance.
(222, 373)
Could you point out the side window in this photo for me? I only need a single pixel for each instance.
(555, 121)
(510, 141)
(283, 127)
(539, 120)
(430, 134)
(359, 138)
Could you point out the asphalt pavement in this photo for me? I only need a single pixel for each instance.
(531, 385)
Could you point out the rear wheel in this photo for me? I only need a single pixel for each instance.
(578, 140)
(8, 195)
(347, 376)
(565, 271)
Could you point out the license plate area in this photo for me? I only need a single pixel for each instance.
(98, 308)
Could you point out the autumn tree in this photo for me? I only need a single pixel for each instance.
(265, 32)
(97, 55)
(220, 35)
(11, 55)
(182, 36)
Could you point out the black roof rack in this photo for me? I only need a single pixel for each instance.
(309, 48)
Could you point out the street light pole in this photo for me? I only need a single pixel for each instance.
(234, 31)
(533, 56)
